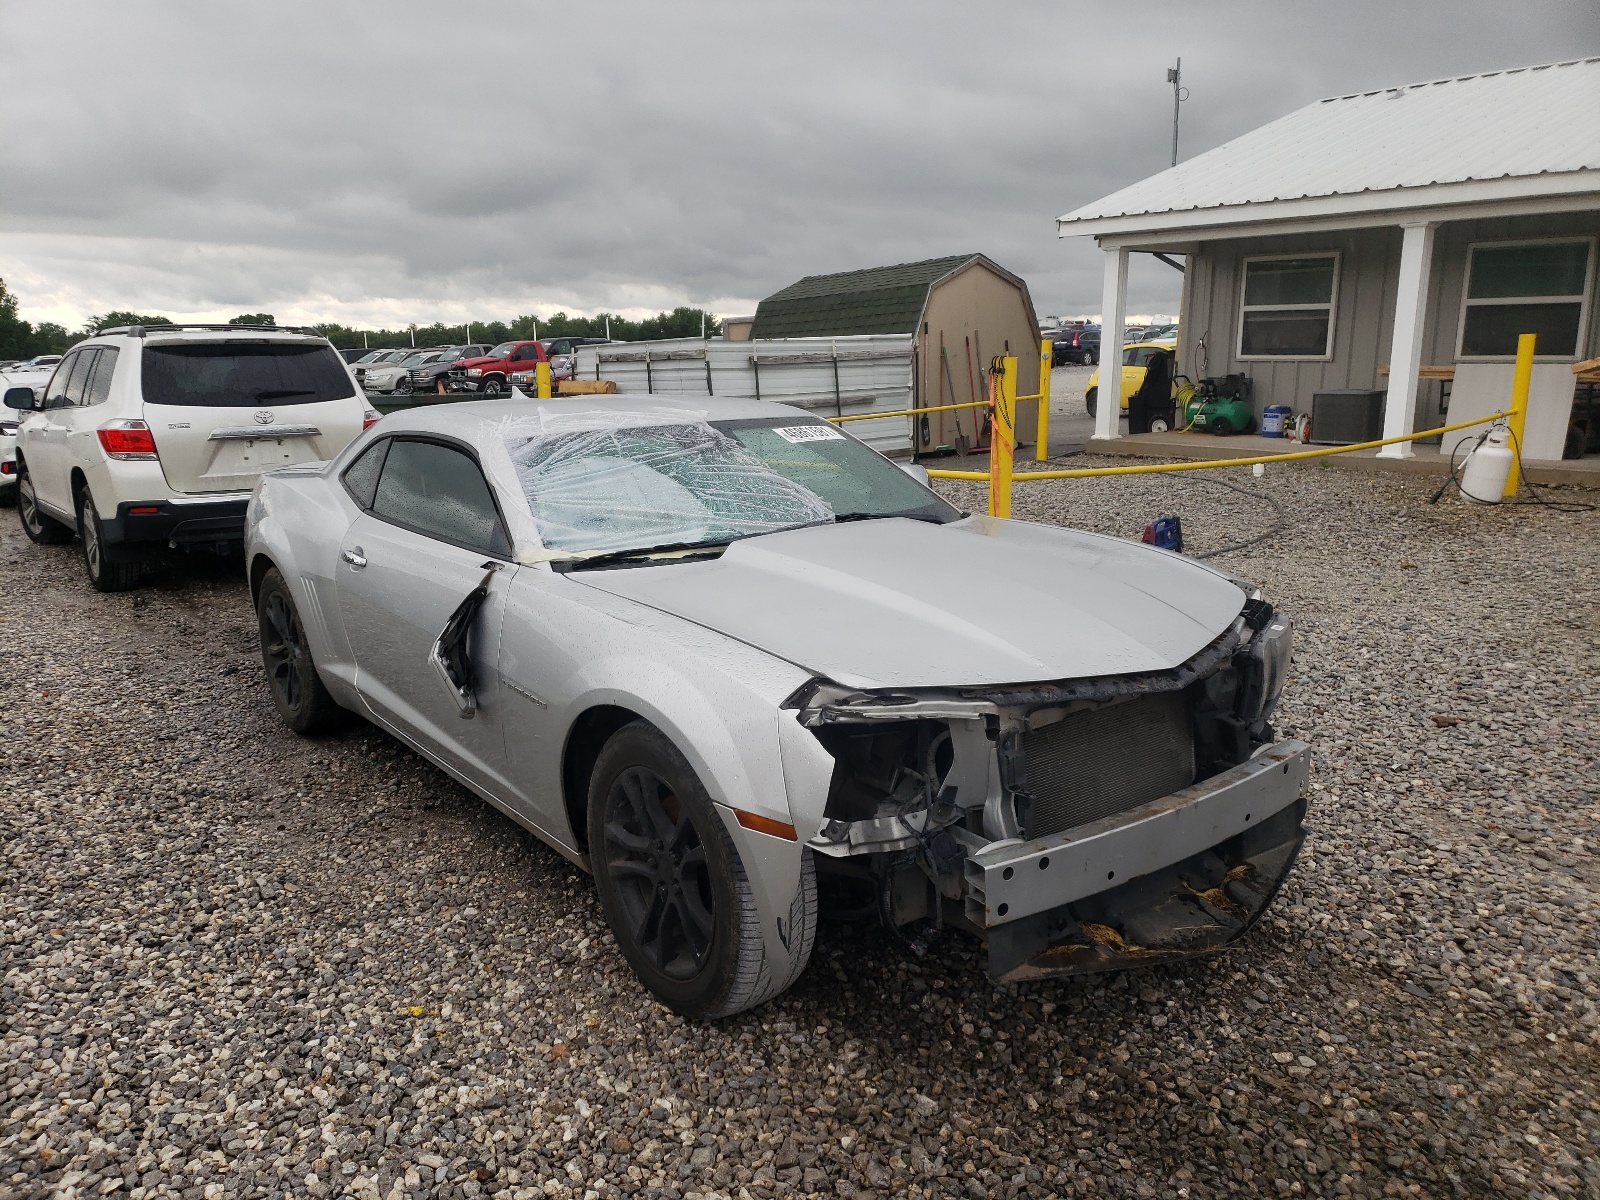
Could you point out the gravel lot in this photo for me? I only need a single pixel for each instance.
(237, 963)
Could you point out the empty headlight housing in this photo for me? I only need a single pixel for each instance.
(1265, 669)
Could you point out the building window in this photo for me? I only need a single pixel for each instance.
(1286, 310)
(1525, 287)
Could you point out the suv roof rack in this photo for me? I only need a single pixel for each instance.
(142, 330)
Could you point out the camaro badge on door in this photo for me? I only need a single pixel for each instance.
(264, 417)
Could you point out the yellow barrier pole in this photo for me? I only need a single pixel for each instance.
(1041, 441)
(541, 375)
(1521, 378)
(1002, 435)
(1206, 465)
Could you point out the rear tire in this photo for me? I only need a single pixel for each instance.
(8, 496)
(1090, 399)
(297, 691)
(104, 575)
(673, 888)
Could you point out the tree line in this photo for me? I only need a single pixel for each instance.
(22, 339)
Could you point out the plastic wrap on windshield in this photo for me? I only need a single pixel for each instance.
(606, 480)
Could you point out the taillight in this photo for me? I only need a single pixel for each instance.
(368, 420)
(127, 439)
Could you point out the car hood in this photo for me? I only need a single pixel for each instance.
(481, 362)
(903, 603)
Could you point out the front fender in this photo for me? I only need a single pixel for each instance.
(718, 700)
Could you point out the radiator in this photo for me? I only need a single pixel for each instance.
(1107, 760)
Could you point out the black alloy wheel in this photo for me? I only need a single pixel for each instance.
(658, 863)
(672, 885)
(46, 531)
(297, 690)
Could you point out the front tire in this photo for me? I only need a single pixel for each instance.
(297, 692)
(45, 531)
(673, 888)
(496, 385)
(104, 575)
(1090, 399)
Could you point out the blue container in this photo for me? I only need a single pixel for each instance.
(1275, 420)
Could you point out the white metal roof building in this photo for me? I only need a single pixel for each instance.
(1419, 202)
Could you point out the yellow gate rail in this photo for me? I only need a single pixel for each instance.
(1158, 468)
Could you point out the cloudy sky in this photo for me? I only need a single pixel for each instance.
(415, 161)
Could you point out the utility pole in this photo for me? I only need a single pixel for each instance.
(1179, 95)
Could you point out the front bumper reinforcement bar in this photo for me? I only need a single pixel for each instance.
(1182, 875)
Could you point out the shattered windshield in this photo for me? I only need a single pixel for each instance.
(603, 482)
(854, 479)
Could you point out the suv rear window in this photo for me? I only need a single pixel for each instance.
(229, 375)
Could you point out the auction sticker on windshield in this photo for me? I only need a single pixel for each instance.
(808, 433)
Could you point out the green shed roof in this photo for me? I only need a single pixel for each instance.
(876, 300)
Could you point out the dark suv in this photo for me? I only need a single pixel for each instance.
(1078, 344)
(430, 376)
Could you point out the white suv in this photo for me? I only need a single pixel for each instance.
(150, 437)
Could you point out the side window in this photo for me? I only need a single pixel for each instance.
(1526, 287)
(99, 389)
(439, 491)
(361, 476)
(56, 395)
(78, 384)
(526, 353)
(1286, 308)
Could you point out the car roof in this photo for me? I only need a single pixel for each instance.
(470, 419)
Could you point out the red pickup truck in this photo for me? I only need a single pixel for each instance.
(490, 375)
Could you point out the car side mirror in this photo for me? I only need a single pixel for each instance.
(919, 473)
(21, 398)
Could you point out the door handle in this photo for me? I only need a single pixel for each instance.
(354, 557)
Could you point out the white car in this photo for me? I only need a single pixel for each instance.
(19, 376)
(386, 377)
(152, 437)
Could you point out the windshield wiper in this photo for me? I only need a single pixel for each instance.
(281, 393)
(841, 518)
(639, 553)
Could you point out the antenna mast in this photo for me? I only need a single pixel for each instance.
(1179, 95)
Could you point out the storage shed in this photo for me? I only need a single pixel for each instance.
(960, 312)
(1384, 250)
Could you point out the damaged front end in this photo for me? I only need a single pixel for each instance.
(1078, 826)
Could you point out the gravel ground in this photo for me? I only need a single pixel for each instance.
(238, 963)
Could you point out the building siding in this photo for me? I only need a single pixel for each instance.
(1364, 317)
(1369, 262)
(996, 315)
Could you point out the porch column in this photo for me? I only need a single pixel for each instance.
(1405, 346)
(1113, 308)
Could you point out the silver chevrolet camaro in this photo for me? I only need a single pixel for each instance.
(711, 650)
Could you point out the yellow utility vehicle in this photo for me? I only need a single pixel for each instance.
(1135, 358)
